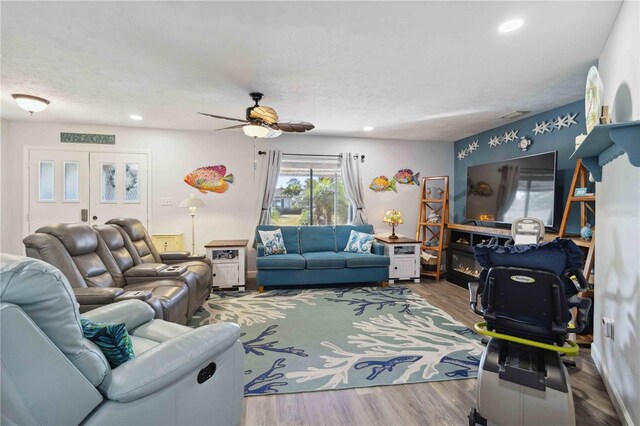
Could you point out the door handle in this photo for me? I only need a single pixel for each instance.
(95, 218)
(84, 215)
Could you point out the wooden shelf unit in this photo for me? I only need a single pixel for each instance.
(429, 232)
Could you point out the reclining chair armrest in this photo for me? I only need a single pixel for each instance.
(97, 295)
(133, 313)
(145, 270)
(377, 248)
(170, 361)
(260, 249)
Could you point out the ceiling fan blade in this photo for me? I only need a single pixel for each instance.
(239, 126)
(294, 126)
(223, 118)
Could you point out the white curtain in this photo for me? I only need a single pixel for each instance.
(350, 170)
(274, 159)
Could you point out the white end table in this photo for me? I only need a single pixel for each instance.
(229, 259)
(404, 254)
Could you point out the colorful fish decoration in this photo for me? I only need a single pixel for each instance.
(406, 177)
(382, 183)
(210, 178)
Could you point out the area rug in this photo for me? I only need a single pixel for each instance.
(320, 339)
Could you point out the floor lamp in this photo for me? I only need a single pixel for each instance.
(192, 202)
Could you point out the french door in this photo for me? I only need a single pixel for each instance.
(90, 187)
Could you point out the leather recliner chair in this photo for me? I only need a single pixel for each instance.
(143, 272)
(52, 375)
(83, 257)
(139, 244)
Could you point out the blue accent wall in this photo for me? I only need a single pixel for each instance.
(561, 141)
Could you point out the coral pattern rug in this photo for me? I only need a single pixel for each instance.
(320, 339)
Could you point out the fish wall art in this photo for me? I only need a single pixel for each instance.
(210, 178)
(382, 183)
(406, 177)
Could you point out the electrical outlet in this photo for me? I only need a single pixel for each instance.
(608, 327)
(166, 201)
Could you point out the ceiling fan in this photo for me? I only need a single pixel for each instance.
(262, 121)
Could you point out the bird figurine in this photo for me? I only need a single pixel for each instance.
(586, 233)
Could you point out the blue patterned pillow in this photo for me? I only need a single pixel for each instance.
(112, 339)
(273, 242)
(359, 242)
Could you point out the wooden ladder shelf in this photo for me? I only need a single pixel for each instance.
(580, 178)
(431, 232)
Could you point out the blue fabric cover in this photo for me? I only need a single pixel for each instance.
(343, 232)
(317, 238)
(281, 261)
(112, 339)
(554, 256)
(377, 248)
(324, 260)
(289, 235)
(364, 260)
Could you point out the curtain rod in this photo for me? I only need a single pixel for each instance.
(311, 155)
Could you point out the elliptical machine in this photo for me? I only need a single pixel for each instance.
(527, 289)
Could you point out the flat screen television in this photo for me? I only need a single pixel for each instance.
(506, 190)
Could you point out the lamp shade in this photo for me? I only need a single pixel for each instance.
(393, 216)
(192, 201)
(31, 103)
(255, 131)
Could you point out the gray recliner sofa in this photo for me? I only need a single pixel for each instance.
(82, 256)
(51, 375)
(139, 244)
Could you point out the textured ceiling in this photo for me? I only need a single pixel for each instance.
(413, 70)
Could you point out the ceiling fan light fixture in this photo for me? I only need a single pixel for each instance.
(255, 131)
(31, 103)
(509, 26)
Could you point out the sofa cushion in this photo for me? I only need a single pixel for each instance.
(359, 242)
(273, 242)
(112, 339)
(289, 235)
(317, 238)
(343, 232)
(364, 260)
(324, 260)
(281, 261)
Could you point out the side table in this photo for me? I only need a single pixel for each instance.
(229, 259)
(404, 254)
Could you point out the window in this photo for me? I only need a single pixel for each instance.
(309, 192)
(47, 181)
(71, 181)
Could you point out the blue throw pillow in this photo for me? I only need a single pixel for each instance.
(273, 242)
(359, 242)
(112, 339)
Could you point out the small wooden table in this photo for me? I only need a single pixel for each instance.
(404, 254)
(229, 260)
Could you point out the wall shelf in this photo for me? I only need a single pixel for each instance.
(607, 142)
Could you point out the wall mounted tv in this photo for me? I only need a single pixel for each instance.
(506, 190)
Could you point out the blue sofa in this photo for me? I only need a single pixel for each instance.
(315, 255)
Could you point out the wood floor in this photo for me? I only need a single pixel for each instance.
(435, 403)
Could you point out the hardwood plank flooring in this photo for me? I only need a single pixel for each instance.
(435, 403)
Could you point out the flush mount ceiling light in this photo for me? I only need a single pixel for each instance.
(135, 117)
(511, 25)
(367, 128)
(30, 103)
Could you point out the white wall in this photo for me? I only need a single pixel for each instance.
(617, 267)
(231, 215)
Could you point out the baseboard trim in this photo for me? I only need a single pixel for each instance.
(616, 399)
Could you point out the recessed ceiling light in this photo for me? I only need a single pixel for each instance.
(512, 25)
(367, 128)
(135, 117)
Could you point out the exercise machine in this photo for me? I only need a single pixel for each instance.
(527, 288)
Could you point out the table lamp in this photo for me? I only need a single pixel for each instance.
(393, 217)
(192, 202)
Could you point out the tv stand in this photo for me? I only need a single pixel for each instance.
(461, 264)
